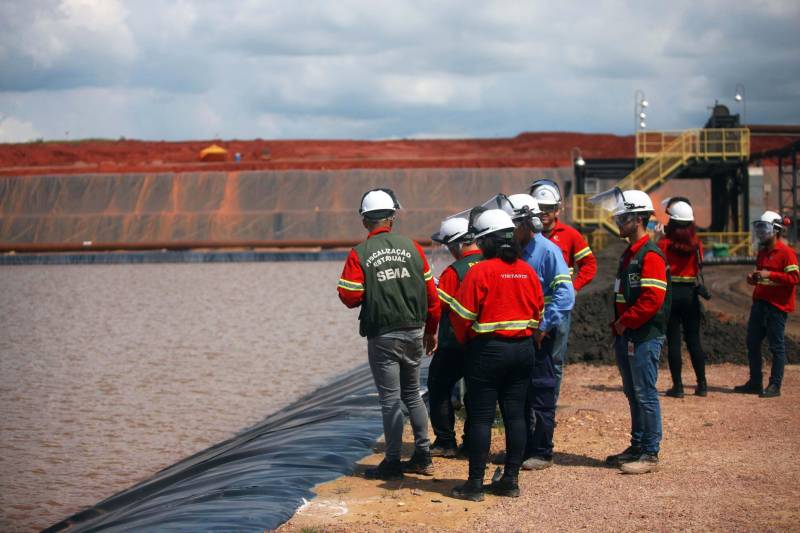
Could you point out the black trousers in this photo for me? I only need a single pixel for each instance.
(446, 368)
(685, 313)
(497, 370)
(540, 405)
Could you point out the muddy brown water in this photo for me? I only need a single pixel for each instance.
(109, 373)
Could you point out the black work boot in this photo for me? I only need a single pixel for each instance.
(441, 449)
(702, 388)
(471, 490)
(676, 391)
(386, 471)
(646, 463)
(749, 388)
(420, 463)
(631, 453)
(772, 391)
(507, 486)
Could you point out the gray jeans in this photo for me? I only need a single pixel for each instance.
(394, 358)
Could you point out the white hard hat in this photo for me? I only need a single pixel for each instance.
(773, 218)
(546, 192)
(523, 205)
(681, 211)
(378, 203)
(634, 201)
(451, 230)
(492, 220)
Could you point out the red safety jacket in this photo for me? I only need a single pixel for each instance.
(683, 268)
(576, 251)
(497, 298)
(779, 289)
(449, 283)
(653, 288)
(351, 284)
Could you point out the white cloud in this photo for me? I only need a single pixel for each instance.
(378, 69)
(13, 130)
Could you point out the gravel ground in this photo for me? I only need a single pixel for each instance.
(729, 462)
(724, 467)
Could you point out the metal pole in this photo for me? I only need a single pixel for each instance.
(742, 97)
(795, 207)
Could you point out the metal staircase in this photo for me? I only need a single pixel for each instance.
(665, 154)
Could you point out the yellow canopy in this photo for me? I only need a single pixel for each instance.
(213, 153)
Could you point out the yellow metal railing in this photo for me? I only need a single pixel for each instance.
(598, 239)
(738, 242)
(723, 143)
(665, 152)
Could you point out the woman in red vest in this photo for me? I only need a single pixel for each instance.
(684, 253)
(495, 312)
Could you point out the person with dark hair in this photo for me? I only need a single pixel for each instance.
(774, 281)
(495, 313)
(642, 301)
(388, 276)
(447, 365)
(684, 253)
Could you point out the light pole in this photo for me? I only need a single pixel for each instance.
(639, 120)
(578, 169)
(639, 105)
(740, 97)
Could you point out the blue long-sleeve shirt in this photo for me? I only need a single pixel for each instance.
(559, 296)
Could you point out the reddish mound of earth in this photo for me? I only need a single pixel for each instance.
(531, 150)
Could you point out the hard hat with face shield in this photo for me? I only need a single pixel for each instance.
(768, 225)
(680, 211)
(453, 230)
(619, 203)
(494, 223)
(526, 209)
(378, 204)
(546, 193)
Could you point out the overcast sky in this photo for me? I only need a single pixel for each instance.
(371, 69)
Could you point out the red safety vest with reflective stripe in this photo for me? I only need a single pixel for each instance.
(683, 268)
(499, 299)
(576, 251)
(779, 289)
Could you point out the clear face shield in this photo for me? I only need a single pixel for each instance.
(518, 213)
(763, 231)
(611, 200)
(441, 253)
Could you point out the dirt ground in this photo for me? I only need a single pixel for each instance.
(529, 149)
(729, 462)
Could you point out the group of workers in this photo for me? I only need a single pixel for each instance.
(500, 319)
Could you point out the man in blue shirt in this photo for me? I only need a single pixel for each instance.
(559, 297)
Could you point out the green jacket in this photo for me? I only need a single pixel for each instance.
(631, 286)
(395, 296)
(447, 338)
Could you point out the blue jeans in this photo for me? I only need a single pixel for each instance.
(766, 321)
(540, 404)
(639, 373)
(560, 350)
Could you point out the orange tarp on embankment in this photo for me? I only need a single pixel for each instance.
(238, 206)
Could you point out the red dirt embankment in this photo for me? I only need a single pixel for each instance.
(532, 150)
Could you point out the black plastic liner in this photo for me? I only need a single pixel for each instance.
(90, 258)
(258, 479)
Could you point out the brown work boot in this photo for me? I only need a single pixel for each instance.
(646, 463)
(420, 463)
